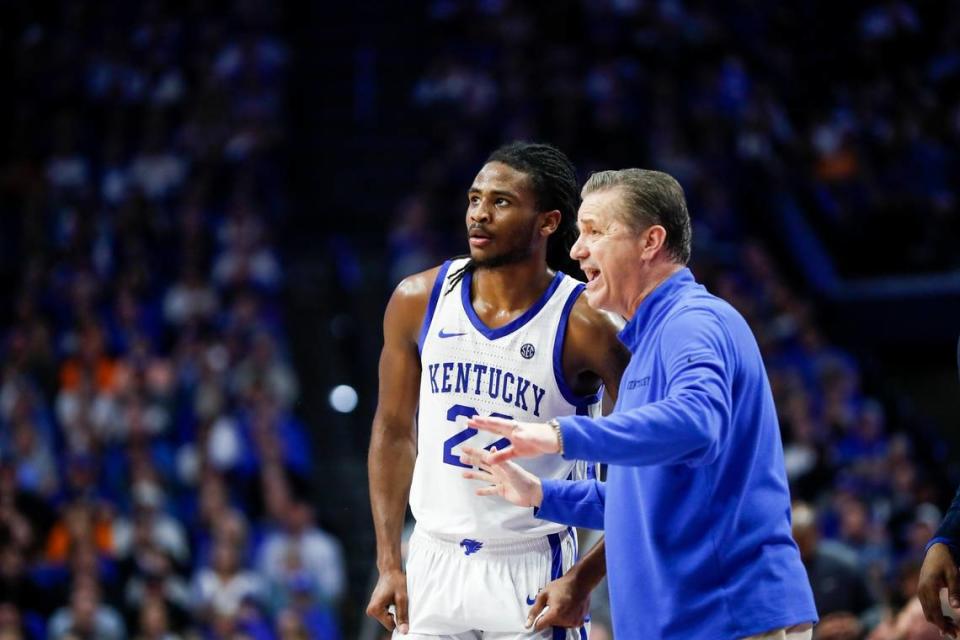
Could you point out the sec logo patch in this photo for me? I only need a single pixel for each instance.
(527, 351)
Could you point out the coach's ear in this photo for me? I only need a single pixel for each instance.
(550, 222)
(652, 241)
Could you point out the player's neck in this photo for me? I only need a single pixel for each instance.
(509, 288)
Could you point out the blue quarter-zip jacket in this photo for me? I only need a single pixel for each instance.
(696, 506)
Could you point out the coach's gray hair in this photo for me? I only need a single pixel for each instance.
(650, 197)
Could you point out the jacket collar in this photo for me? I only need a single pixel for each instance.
(658, 301)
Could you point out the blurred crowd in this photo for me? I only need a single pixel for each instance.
(850, 109)
(154, 479)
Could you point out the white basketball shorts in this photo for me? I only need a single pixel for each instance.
(474, 589)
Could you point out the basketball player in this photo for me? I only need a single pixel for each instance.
(496, 333)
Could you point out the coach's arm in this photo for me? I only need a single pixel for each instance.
(393, 448)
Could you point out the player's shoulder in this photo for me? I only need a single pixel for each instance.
(409, 301)
(417, 287)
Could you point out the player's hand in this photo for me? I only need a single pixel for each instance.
(391, 589)
(939, 571)
(508, 480)
(528, 439)
(562, 603)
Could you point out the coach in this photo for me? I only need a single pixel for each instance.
(696, 507)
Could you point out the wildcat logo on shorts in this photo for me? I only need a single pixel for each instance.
(527, 350)
(470, 546)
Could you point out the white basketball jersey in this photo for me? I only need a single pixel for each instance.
(514, 371)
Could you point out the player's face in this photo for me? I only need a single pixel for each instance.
(608, 251)
(501, 216)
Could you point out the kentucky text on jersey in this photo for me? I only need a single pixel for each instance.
(478, 379)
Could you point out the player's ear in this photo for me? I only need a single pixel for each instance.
(549, 222)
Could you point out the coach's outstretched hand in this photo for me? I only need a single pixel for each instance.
(939, 571)
(391, 590)
(564, 602)
(528, 439)
(505, 479)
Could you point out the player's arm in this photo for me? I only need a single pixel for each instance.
(939, 570)
(392, 442)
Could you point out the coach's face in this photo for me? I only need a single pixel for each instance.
(609, 253)
(503, 223)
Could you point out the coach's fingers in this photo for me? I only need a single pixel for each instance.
(479, 475)
(473, 452)
(492, 490)
(483, 459)
(475, 457)
(498, 426)
(536, 611)
(503, 456)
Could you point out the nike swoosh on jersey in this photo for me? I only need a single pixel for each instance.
(450, 335)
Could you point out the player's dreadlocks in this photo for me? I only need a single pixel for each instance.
(554, 181)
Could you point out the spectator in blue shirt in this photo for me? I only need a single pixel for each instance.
(696, 507)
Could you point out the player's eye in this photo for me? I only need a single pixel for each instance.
(502, 202)
(474, 199)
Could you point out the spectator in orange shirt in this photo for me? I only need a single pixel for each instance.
(91, 360)
(80, 520)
